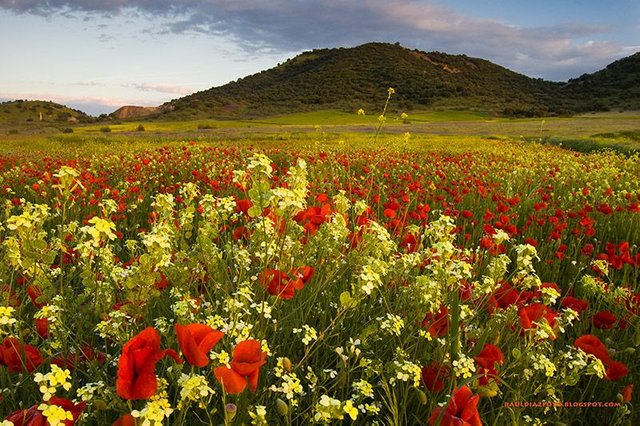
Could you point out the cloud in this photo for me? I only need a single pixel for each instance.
(160, 88)
(556, 52)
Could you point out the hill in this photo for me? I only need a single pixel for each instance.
(353, 78)
(23, 111)
(615, 87)
(132, 112)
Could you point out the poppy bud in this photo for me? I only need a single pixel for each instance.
(100, 404)
(282, 407)
(421, 396)
(286, 364)
(230, 411)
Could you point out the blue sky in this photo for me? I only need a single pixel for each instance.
(97, 55)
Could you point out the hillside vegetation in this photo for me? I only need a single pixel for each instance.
(21, 111)
(348, 79)
(616, 86)
(353, 78)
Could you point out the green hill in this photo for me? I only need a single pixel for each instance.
(615, 87)
(352, 78)
(22, 111)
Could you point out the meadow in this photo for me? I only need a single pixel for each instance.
(287, 273)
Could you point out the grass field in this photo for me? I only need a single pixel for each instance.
(295, 272)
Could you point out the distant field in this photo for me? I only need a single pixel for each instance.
(619, 131)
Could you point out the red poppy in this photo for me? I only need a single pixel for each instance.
(437, 323)
(616, 370)
(243, 206)
(489, 356)
(42, 327)
(196, 340)
(506, 296)
(248, 357)
(627, 393)
(409, 243)
(313, 217)
(125, 420)
(592, 345)
(19, 356)
(604, 320)
(535, 313)
(304, 273)
(136, 377)
(161, 283)
(462, 410)
(434, 375)
(278, 283)
(389, 213)
(574, 303)
(34, 417)
(34, 294)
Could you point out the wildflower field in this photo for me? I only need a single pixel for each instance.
(326, 279)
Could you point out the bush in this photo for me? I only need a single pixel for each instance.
(105, 129)
(140, 128)
(67, 130)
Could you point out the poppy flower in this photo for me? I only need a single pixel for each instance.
(506, 296)
(616, 370)
(42, 327)
(462, 410)
(136, 377)
(437, 323)
(125, 420)
(434, 375)
(304, 273)
(19, 356)
(535, 313)
(592, 345)
(489, 356)
(627, 393)
(34, 294)
(34, 417)
(196, 340)
(574, 303)
(248, 357)
(278, 283)
(604, 320)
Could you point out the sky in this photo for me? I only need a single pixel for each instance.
(98, 55)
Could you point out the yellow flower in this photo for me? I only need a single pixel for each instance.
(350, 409)
(55, 415)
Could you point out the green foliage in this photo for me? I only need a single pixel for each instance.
(617, 86)
(22, 111)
